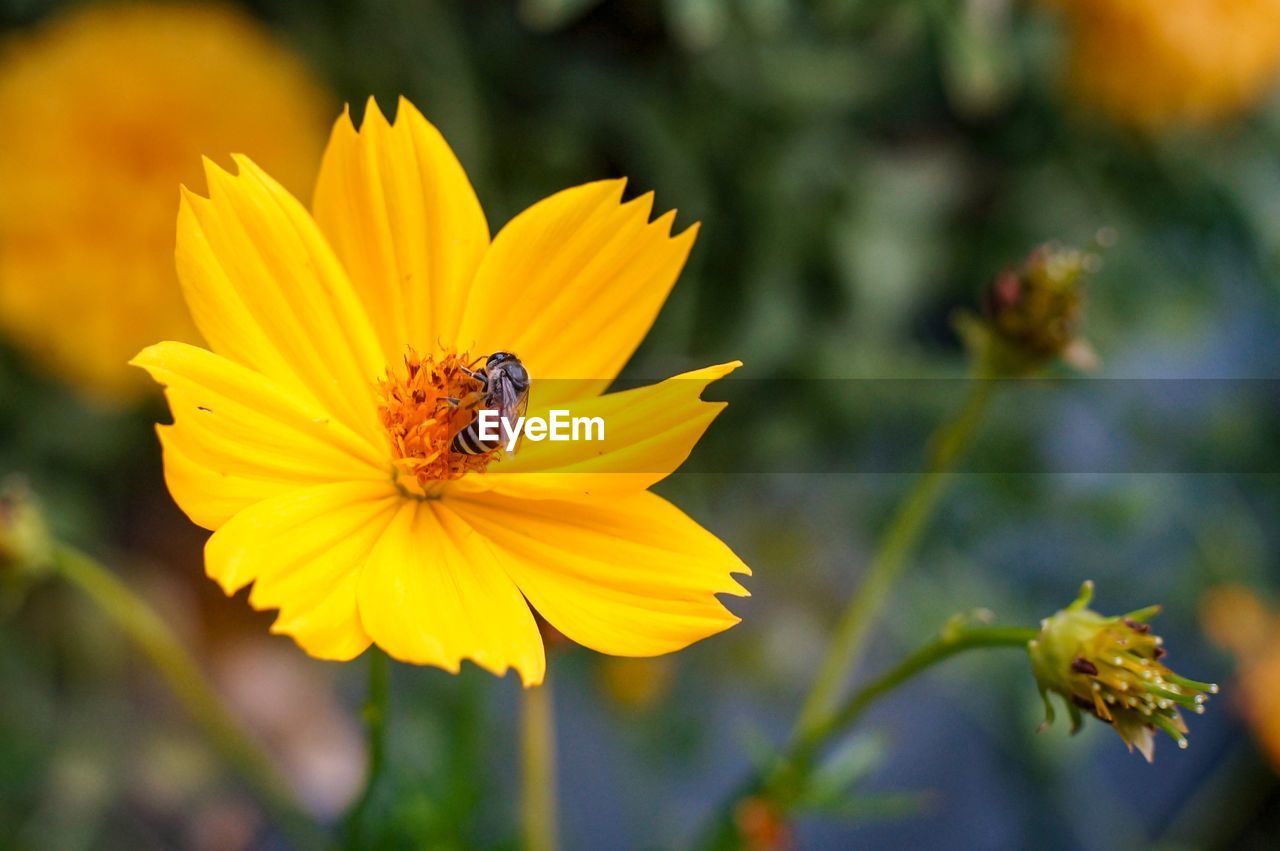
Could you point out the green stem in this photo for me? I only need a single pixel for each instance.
(538, 804)
(790, 773)
(948, 444)
(149, 633)
(375, 709)
(944, 647)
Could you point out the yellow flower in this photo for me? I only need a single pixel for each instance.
(110, 108)
(1153, 63)
(1238, 621)
(311, 437)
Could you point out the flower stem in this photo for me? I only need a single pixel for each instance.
(948, 443)
(149, 633)
(538, 805)
(375, 721)
(791, 770)
(944, 647)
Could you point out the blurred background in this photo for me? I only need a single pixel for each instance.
(861, 169)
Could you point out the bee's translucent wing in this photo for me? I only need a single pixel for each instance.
(512, 405)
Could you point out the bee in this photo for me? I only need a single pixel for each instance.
(504, 387)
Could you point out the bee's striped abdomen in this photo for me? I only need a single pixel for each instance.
(468, 442)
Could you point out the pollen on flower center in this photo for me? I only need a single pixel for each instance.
(424, 403)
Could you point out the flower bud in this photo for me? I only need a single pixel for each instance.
(1111, 668)
(25, 546)
(1032, 313)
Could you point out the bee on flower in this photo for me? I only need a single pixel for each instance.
(325, 434)
(1112, 669)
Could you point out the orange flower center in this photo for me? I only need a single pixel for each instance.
(424, 404)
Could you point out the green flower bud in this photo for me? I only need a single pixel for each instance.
(1032, 313)
(1111, 668)
(25, 545)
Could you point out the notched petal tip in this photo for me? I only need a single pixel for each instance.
(708, 375)
(343, 130)
(664, 223)
(690, 233)
(407, 110)
(214, 174)
(158, 359)
(607, 192)
(230, 582)
(720, 370)
(373, 115)
(147, 357)
(246, 166)
(188, 200)
(345, 650)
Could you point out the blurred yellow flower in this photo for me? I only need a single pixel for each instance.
(1153, 63)
(109, 109)
(316, 435)
(1238, 621)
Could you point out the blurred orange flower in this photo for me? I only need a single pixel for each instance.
(109, 109)
(1238, 621)
(1153, 63)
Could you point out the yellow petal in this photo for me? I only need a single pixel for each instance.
(648, 431)
(239, 437)
(303, 551)
(434, 594)
(573, 283)
(400, 213)
(629, 575)
(266, 291)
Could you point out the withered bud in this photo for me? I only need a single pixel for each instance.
(1033, 312)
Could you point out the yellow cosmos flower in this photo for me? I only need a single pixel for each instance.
(1152, 63)
(109, 109)
(315, 436)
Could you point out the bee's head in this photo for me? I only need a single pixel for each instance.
(510, 366)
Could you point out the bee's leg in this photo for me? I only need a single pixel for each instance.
(477, 374)
(452, 400)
